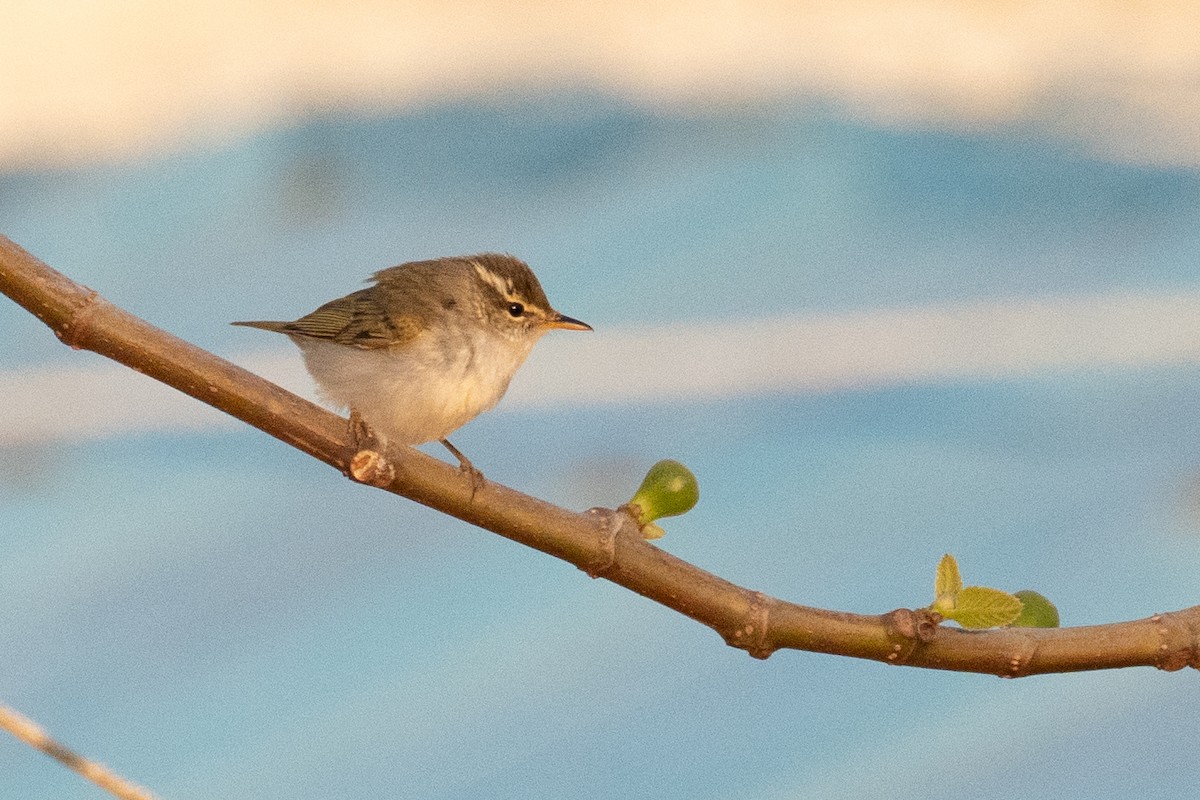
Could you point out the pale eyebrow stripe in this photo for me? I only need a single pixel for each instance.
(501, 285)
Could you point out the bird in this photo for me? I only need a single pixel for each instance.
(427, 347)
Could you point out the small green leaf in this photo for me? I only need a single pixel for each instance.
(1036, 611)
(978, 607)
(668, 489)
(948, 581)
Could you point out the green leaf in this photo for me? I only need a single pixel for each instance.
(668, 489)
(948, 581)
(978, 607)
(1036, 611)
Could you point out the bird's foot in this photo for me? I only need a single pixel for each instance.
(466, 467)
(363, 435)
(369, 464)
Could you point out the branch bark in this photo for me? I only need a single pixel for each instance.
(601, 542)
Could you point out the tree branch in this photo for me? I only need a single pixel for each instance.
(31, 733)
(601, 542)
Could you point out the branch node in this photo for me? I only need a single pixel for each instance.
(1022, 660)
(1178, 646)
(908, 629)
(909, 624)
(371, 468)
(751, 635)
(606, 542)
(73, 332)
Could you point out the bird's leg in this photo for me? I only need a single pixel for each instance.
(465, 466)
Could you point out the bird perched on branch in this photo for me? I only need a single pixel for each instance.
(428, 347)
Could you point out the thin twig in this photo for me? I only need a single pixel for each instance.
(32, 734)
(601, 542)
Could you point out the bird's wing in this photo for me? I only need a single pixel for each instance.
(356, 320)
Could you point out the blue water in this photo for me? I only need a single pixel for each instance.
(218, 616)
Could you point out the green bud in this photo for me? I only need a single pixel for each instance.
(1036, 611)
(669, 489)
(944, 605)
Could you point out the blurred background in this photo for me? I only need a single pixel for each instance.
(894, 278)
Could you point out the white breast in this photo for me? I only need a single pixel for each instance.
(417, 392)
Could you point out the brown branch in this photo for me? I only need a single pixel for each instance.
(601, 542)
(29, 732)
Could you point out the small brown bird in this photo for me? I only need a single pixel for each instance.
(427, 348)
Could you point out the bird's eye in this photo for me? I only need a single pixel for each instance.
(516, 309)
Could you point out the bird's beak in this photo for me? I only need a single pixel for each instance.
(566, 323)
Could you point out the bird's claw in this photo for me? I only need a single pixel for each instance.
(474, 475)
(466, 468)
(361, 433)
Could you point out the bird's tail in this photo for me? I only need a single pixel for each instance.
(274, 327)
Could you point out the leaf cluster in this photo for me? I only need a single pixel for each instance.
(980, 607)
